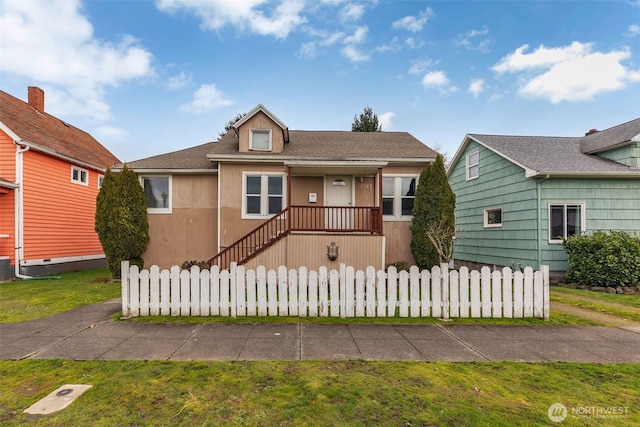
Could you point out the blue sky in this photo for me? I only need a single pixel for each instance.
(150, 77)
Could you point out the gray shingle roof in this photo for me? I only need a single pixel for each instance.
(612, 137)
(311, 145)
(336, 145)
(544, 154)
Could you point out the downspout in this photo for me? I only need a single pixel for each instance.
(19, 209)
(539, 220)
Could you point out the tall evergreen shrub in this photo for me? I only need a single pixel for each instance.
(433, 212)
(121, 219)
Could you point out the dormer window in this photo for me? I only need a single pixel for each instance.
(260, 139)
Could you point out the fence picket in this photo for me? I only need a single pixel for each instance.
(241, 291)
(124, 286)
(175, 290)
(485, 291)
(345, 293)
(381, 289)
(302, 292)
(403, 293)
(414, 291)
(313, 292)
(496, 294)
(154, 290)
(261, 279)
(293, 293)
(272, 293)
(371, 292)
(214, 293)
(425, 293)
(528, 292)
(463, 277)
(518, 294)
(205, 291)
(144, 292)
(359, 312)
(252, 307)
(507, 292)
(165, 293)
(436, 292)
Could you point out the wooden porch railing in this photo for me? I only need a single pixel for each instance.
(334, 219)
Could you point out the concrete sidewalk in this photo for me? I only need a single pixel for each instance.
(88, 333)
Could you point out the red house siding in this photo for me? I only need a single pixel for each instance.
(58, 214)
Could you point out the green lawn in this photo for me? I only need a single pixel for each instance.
(22, 300)
(352, 393)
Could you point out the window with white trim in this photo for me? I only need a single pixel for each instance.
(79, 175)
(157, 192)
(493, 217)
(565, 220)
(398, 194)
(262, 194)
(260, 139)
(100, 180)
(473, 165)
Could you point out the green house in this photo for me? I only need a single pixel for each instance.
(517, 196)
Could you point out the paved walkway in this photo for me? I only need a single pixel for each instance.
(88, 333)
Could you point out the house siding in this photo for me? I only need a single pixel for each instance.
(260, 121)
(610, 204)
(501, 184)
(628, 155)
(189, 232)
(7, 201)
(59, 216)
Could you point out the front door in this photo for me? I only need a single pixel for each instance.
(338, 194)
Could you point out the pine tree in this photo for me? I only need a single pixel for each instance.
(433, 217)
(368, 122)
(121, 219)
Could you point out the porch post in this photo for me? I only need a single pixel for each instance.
(380, 200)
(289, 174)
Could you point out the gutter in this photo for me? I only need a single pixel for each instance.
(19, 209)
(538, 220)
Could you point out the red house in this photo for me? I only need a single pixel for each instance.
(50, 175)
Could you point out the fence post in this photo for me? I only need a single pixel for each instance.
(444, 273)
(124, 277)
(234, 288)
(545, 286)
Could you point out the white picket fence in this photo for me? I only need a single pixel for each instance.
(441, 292)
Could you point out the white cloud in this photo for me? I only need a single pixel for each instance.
(206, 98)
(470, 40)
(420, 66)
(476, 87)
(633, 30)
(438, 80)
(569, 73)
(412, 23)
(386, 120)
(353, 54)
(359, 36)
(352, 12)
(245, 15)
(179, 81)
(51, 43)
(412, 43)
(393, 46)
(307, 50)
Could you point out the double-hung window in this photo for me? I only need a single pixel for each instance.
(473, 165)
(565, 220)
(157, 191)
(79, 175)
(398, 194)
(260, 139)
(263, 194)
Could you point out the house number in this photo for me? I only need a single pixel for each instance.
(365, 185)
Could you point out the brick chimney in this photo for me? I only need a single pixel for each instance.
(591, 131)
(36, 98)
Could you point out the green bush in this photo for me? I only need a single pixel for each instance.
(603, 259)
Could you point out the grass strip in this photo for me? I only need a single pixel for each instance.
(353, 393)
(630, 300)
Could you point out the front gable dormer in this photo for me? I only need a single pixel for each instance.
(261, 131)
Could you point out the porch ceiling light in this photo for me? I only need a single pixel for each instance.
(338, 183)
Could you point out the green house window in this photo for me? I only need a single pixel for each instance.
(565, 220)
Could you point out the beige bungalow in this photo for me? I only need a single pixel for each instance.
(267, 195)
